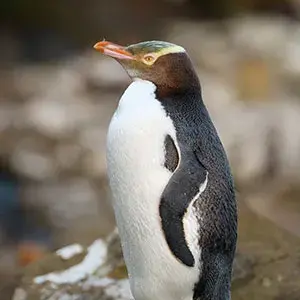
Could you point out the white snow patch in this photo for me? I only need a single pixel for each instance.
(97, 282)
(120, 290)
(95, 257)
(115, 289)
(69, 251)
(19, 294)
(53, 286)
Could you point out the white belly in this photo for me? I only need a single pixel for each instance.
(135, 158)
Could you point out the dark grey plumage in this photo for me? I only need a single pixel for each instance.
(201, 153)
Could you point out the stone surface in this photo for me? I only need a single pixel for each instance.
(264, 267)
(77, 272)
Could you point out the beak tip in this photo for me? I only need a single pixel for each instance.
(113, 50)
(96, 46)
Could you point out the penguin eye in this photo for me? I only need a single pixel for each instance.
(149, 59)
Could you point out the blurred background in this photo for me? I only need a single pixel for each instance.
(57, 96)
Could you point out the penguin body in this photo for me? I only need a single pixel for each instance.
(172, 188)
(138, 177)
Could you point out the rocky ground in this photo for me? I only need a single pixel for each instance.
(266, 267)
(53, 121)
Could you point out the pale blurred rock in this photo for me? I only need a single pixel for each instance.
(266, 282)
(66, 82)
(101, 71)
(259, 35)
(32, 164)
(9, 115)
(20, 294)
(256, 79)
(286, 125)
(67, 201)
(94, 140)
(218, 94)
(291, 57)
(94, 164)
(67, 155)
(108, 72)
(32, 81)
(49, 117)
(250, 155)
(36, 81)
(207, 45)
(57, 117)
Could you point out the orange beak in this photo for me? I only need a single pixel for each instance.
(113, 50)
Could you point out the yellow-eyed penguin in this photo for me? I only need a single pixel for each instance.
(173, 193)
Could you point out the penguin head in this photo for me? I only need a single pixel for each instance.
(165, 64)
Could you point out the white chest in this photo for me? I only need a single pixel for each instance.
(135, 159)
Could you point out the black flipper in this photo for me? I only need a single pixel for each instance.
(180, 191)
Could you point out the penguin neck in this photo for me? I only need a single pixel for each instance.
(178, 92)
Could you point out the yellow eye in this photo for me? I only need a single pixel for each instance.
(148, 59)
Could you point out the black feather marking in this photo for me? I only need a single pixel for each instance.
(171, 154)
